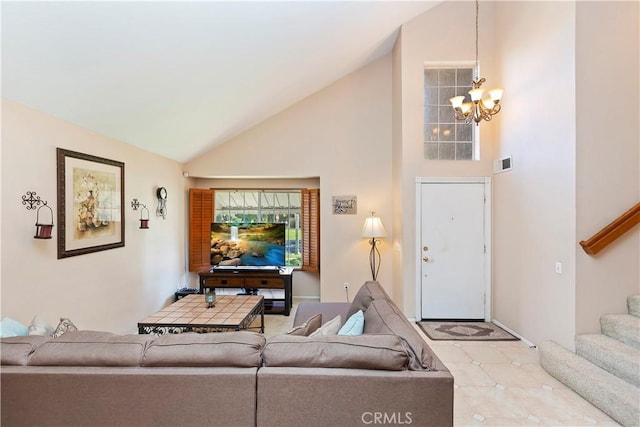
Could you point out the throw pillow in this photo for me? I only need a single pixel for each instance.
(12, 328)
(330, 328)
(307, 327)
(40, 327)
(63, 327)
(354, 325)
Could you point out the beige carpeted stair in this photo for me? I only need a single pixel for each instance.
(622, 327)
(633, 303)
(605, 369)
(611, 355)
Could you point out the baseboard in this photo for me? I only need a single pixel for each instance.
(515, 334)
(306, 298)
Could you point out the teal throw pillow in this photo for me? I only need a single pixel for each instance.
(12, 328)
(354, 325)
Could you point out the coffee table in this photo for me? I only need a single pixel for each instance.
(190, 314)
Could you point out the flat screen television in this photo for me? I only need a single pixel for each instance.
(247, 245)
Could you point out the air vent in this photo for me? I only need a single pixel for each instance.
(502, 165)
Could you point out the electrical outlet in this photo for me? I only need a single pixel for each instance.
(346, 285)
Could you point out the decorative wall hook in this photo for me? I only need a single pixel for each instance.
(31, 200)
(144, 222)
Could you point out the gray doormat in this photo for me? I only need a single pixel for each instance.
(467, 331)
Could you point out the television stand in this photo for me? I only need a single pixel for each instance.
(251, 280)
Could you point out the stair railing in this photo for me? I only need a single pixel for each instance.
(611, 232)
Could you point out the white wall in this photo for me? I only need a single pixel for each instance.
(398, 198)
(534, 204)
(444, 34)
(109, 290)
(342, 135)
(608, 145)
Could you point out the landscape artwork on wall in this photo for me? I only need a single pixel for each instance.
(90, 201)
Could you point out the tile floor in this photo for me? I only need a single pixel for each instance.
(499, 383)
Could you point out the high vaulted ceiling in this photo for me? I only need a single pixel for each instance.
(177, 78)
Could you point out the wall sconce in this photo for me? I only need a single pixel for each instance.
(31, 200)
(372, 229)
(144, 222)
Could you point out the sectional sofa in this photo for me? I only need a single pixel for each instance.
(387, 376)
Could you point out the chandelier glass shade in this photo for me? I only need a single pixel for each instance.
(479, 108)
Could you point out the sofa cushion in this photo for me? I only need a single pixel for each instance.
(91, 348)
(354, 325)
(367, 293)
(330, 328)
(383, 317)
(224, 349)
(383, 352)
(16, 350)
(308, 327)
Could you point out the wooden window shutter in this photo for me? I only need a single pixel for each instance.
(200, 218)
(311, 230)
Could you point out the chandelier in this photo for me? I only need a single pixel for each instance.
(478, 109)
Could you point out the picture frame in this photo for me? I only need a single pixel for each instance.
(345, 205)
(90, 203)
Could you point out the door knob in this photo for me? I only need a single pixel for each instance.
(425, 259)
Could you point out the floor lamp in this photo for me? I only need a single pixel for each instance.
(373, 229)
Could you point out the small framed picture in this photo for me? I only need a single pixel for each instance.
(345, 205)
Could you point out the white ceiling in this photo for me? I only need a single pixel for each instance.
(176, 78)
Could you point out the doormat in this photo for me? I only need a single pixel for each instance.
(466, 331)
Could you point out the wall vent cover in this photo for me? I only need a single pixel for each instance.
(502, 165)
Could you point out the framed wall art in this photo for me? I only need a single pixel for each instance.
(345, 205)
(90, 203)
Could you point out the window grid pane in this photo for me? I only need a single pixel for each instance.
(244, 206)
(446, 138)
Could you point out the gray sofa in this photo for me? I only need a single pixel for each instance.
(386, 376)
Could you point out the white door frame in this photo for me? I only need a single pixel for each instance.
(487, 236)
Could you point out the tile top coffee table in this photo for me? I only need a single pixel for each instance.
(190, 314)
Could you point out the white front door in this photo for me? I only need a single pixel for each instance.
(453, 249)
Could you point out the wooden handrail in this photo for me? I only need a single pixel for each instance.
(611, 232)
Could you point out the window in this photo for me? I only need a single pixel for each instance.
(298, 209)
(446, 138)
(251, 206)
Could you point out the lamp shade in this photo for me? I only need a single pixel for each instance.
(373, 227)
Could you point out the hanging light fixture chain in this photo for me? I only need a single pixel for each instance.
(478, 109)
(477, 33)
